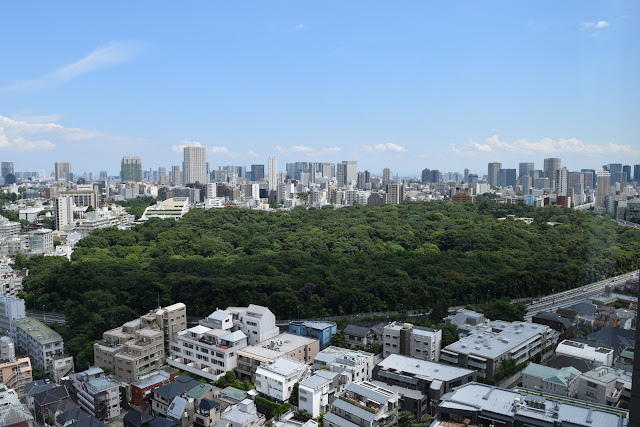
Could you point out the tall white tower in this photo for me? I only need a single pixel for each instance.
(195, 159)
(273, 173)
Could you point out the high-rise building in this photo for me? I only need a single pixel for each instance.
(551, 165)
(395, 194)
(328, 170)
(63, 212)
(506, 178)
(561, 181)
(6, 168)
(636, 173)
(604, 184)
(590, 178)
(257, 172)
(429, 175)
(63, 171)
(613, 169)
(627, 169)
(273, 173)
(492, 175)
(349, 172)
(131, 169)
(341, 174)
(195, 159)
(176, 176)
(621, 177)
(525, 169)
(163, 179)
(364, 180)
(386, 176)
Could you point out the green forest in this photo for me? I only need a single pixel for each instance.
(319, 262)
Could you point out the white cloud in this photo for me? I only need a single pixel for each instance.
(602, 24)
(383, 147)
(543, 146)
(185, 143)
(28, 117)
(252, 153)
(219, 150)
(301, 148)
(593, 27)
(114, 53)
(19, 135)
(331, 149)
(300, 27)
(306, 149)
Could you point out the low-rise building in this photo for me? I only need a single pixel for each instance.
(586, 351)
(284, 345)
(11, 308)
(15, 373)
(322, 331)
(482, 404)
(490, 343)
(96, 394)
(173, 208)
(44, 401)
(563, 382)
(42, 344)
(257, 322)
(244, 414)
(556, 322)
(414, 341)
(359, 337)
(420, 383)
(356, 365)
(140, 389)
(16, 416)
(320, 390)
(277, 378)
(161, 397)
(606, 386)
(363, 404)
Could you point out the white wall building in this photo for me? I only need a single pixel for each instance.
(195, 159)
(591, 353)
(276, 379)
(413, 341)
(318, 391)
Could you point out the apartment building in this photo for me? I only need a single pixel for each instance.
(606, 386)
(42, 344)
(277, 378)
(244, 414)
(363, 404)
(138, 347)
(356, 365)
(563, 382)
(320, 390)
(586, 351)
(11, 308)
(419, 383)
(322, 331)
(413, 341)
(15, 372)
(484, 405)
(284, 345)
(489, 344)
(257, 322)
(96, 394)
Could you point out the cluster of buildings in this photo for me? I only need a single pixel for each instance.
(161, 370)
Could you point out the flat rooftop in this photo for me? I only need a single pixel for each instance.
(282, 344)
(38, 330)
(422, 369)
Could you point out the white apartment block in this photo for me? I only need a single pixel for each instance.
(276, 379)
(412, 341)
(8, 228)
(591, 353)
(38, 341)
(355, 365)
(11, 308)
(349, 409)
(606, 386)
(320, 390)
(257, 322)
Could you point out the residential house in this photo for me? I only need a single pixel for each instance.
(359, 337)
(141, 389)
(161, 397)
(277, 378)
(322, 331)
(320, 390)
(356, 365)
(606, 386)
(563, 382)
(414, 341)
(43, 401)
(244, 414)
(363, 404)
(556, 322)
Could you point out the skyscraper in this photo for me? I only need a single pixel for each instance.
(492, 176)
(613, 169)
(63, 171)
(506, 178)
(386, 176)
(351, 171)
(273, 174)
(627, 169)
(561, 181)
(636, 173)
(604, 183)
(590, 178)
(131, 169)
(195, 159)
(163, 179)
(395, 194)
(341, 174)
(257, 172)
(525, 169)
(176, 176)
(6, 168)
(551, 165)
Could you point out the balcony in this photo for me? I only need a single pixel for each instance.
(448, 357)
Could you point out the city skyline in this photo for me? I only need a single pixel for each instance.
(426, 85)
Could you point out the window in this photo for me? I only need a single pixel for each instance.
(591, 384)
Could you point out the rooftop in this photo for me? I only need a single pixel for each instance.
(422, 369)
(279, 346)
(38, 330)
(283, 366)
(561, 376)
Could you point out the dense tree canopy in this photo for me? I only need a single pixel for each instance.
(326, 261)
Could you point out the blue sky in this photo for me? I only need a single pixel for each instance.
(405, 85)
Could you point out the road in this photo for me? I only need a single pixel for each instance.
(47, 317)
(566, 298)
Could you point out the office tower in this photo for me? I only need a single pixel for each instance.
(551, 165)
(525, 183)
(604, 184)
(63, 171)
(620, 177)
(506, 178)
(473, 178)
(328, 170)
(577, 182)
(561, 181)
(131, 169)
(465, 176)
(176, 176)
(590, 178)
(341, 174)
(63, 212)
(291, 170)
(195, 159)
(492, 175)
(257, 172)
(364, 180)
(524, 169)
(395, 194)
(6, 168)
(430, 175)
(163, 179)
(613, 169)
(636, 173)
(386, 176)
(300, 167)
(350, 170)
(627, 169)
(273, 174)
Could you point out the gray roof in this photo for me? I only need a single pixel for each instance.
(207, 404)
(14, 414)
(553, 317)
(616, 338)
(50, 396)
(560, 361)
(334, 419)
(73, 414)
(377, 394)
(182, 384)
(36, 387)
(162, 422)
(355, 410)
(584, 308)
(136, 418)
(176, 408)
(422, 369)
(88, 422)
(356, 330)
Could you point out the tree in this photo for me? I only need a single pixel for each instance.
(405, 419)
(293, 399)
(90, 209)
(37, 372)
(20, 261)
(337, 340)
